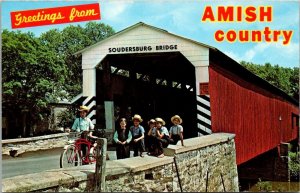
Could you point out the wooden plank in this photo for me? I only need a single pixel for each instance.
(100, 170)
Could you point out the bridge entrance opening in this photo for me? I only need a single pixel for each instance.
(152, 85)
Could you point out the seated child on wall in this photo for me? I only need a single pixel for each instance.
(137, 131)
(151, 136)
(161, 139)
(176, 131)
(122, 138)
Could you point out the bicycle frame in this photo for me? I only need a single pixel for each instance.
(73, 155)
(84, 158)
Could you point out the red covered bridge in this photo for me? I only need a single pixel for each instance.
(261, 115)
(147, 70)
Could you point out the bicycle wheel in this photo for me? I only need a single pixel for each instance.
(69, 157)
(92, 155)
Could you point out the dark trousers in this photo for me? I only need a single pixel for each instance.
(158, 145)
(151, 143)
(123, 151)
(84, 148)
(175, 138)
(137, 146)
(146, 140)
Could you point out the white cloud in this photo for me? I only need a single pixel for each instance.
(233, 55)
(275, 53)
(250, 54)
(259, 48)
(112, 11)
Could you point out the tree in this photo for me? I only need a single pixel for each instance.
(286, 79)
(70, 40)
(32, 74)
(41, 70)
(294, 79)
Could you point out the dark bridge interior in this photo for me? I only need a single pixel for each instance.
(152, 85)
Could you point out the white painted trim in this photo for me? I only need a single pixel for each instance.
(93, 112)
(201, 100)
(204, 119)
(87, 100)
(204, 128)
(199, 108)
(76, 98)
(143, 35)
(89, 82)
(92, 104)
(146, 25)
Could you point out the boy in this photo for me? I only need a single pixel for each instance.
(176, 131)
(137, 132)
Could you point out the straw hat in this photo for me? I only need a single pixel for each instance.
(176, 117)
(151, 121)
(160, 120)
(83, 108)
(138, 117)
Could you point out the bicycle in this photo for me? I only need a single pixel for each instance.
(73, 156)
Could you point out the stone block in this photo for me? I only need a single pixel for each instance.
(158, 188)
(129, 175)
(167, 179)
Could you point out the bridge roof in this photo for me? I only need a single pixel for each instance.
(142, 24)
(219, 58)
(215, 55)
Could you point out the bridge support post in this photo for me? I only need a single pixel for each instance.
(100, 165)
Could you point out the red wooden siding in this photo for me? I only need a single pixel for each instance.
(250, 112)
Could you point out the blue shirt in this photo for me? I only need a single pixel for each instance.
(82, 124)
(176, 129)
(137, 130)
(164, 130)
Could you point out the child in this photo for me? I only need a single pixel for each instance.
(151, 136)
(84, 125)
(122, 137)
(138, 136)
(176, 131)
(161, 137)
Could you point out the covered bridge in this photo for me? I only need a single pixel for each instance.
(147, 70)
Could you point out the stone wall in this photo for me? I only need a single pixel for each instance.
(211, 156)
(18, 146)
(153, 179)
(211, 169)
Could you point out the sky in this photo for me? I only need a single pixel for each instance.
(184, 18)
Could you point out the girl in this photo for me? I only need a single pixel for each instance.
(122, 138)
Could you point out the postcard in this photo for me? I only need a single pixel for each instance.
(197, 95)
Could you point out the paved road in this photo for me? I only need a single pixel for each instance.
(33, 162)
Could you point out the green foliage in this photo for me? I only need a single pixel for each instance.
(286, 79)
(294, 164)
(66, 118)
(29, 73)
(70, 40)
(40, 70)
(264, 186)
